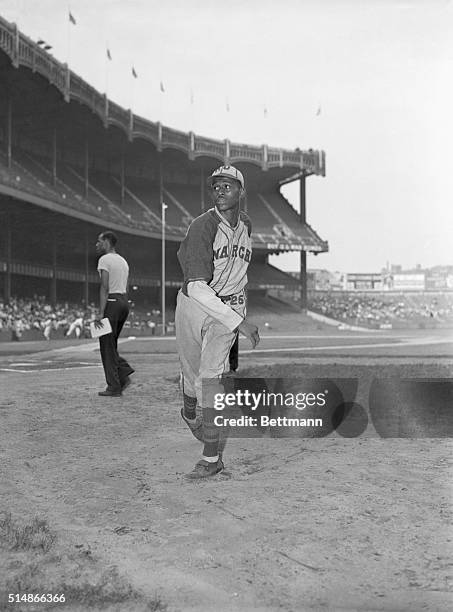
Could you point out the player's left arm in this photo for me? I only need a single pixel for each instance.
(212, 305)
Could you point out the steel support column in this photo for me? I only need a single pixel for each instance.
(7, 285)
(87, 272)
(86, 173)
(122, 180)
(202, 191)
(53, 282)
(303, 254)
(54, 157)
(9, 131)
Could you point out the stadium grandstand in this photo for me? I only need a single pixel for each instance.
(72, 162)
(378, 310)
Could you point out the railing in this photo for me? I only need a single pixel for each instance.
(118, 115)
(273, 157)
(24, 52)
(6, 38)
(143, 128)
(246, 152)
(175, 138)
(207, 146)
(31, 270)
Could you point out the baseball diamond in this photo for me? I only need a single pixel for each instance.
(285, 440)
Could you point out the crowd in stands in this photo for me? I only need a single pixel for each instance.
(384, 310)
(20, 315)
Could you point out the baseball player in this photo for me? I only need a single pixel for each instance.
(211, 306)
(48, 325)
(75, 326)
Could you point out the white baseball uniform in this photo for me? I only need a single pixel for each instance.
(214, 258)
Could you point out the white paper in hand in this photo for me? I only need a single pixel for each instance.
(101, 331)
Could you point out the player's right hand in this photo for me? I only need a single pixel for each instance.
(250, 331)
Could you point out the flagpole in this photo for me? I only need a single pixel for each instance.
(228, 120)
(68, 51)
(107, 60)
(192, 114)
(161, 92)
(163, 279)
(71, 21)
(134, 78)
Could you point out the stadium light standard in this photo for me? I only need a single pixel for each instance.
(162, 282)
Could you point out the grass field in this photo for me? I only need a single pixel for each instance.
(94, 504)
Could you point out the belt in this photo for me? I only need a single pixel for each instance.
(116, 295)
(226, 298)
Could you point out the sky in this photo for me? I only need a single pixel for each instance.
(370, 83)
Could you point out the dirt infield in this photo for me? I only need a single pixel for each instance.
(292, 524)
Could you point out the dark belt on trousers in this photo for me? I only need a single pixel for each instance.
(226, 298)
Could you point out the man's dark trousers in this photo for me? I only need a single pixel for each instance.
(116, 368)
(234, 355)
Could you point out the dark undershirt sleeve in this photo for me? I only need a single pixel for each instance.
(196, 254)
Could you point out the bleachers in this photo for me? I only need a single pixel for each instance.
(28, 177)
(189, 196)
(148, 194)
(274, 221)
(385, 309)
(72, 177)
(262, 220)
(109, 188)
(142, 199)
(283, 208)
(288, 218)
(267, 276)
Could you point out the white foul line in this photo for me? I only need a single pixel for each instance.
(410, 341)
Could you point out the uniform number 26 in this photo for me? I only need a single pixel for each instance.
(237, 300)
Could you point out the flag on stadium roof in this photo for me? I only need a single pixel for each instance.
(134, 74)
(191, 96)
(109, 55)
(318, 112)
(162, 88)
(227, 105)
(265, 112)
(71, 18)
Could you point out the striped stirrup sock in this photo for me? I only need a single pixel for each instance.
(190, 404)
(210, 433)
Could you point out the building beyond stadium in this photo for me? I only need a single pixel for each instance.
(72, 162)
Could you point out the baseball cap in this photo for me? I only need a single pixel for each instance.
(229, 172)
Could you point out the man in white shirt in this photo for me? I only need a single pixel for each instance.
(114, 273)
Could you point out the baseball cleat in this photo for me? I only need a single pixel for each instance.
(205, 469)
(196, 427)
(108, 393)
